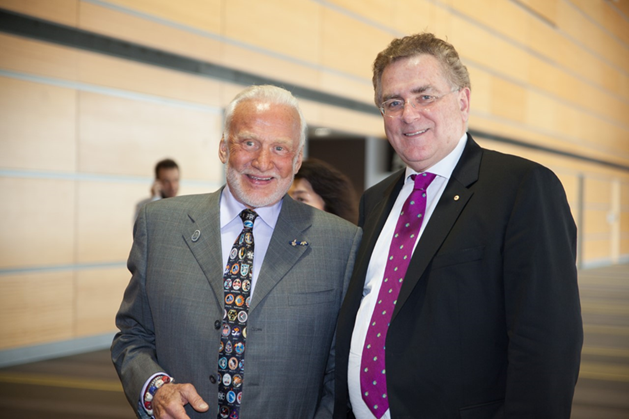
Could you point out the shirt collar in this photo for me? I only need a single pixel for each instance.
(445, 166)
(230, 208)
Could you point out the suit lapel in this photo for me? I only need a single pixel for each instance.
(454, 199)
(282, 255)
(203, 237)
(372, 226)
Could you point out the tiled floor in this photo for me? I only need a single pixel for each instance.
(86, 386)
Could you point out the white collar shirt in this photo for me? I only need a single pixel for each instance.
(231, 226)
(375, 272)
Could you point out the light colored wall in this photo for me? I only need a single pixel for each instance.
(81, 131)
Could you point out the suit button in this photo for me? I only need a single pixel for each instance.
(212, 379)
(217, 324)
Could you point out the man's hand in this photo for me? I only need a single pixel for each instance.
(170, 399)
(156, 188)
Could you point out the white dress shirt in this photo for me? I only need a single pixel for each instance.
(375, 272)
(231, 226)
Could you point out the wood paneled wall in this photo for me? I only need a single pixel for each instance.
(80, 131)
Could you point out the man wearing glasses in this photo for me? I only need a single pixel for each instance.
(464, 299)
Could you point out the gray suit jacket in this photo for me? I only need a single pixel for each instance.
(170, 316)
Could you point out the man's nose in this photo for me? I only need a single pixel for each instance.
(411, 111)
(263, 160)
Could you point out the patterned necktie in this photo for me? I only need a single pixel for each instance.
(373, 384)
(236, 287)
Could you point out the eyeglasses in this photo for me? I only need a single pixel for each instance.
(394, 108)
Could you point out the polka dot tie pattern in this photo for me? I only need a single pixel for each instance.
(236, 287)
(373, 383)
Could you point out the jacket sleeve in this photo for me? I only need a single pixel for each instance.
(133, 347)
(542, 305)
(326, 405)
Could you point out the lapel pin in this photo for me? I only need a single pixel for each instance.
(196, 235)
(295, 243)
(456, 197)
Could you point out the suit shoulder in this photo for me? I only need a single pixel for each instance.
(178, 204)
(333, 222)
(516, 165)
(324, 221)
(509, 172)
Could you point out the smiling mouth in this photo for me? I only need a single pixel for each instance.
(412, 134)
(260, 179)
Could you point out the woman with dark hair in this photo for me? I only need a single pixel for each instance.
(322, 186)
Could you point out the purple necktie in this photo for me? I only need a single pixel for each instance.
(373, 379)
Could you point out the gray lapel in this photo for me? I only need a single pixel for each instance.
(281, 255)
(203, 237)
(452, 202)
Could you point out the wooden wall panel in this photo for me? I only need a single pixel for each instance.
(474, 44)
(521, 132)
(604, 13)
(290, 27)
(597, 191)
(352, 122)
(36, 308)
(37, 126)
(595, 222)
(98, 296)
(37, 227)
(125, 136)
(271, 66)
(105, 212)
(349, 45)
(592, 36)
(201, 14)
(543, 38)
(541, 113)
(481, 91)
(353, 88)
(544, 8)
(509, 100)
(509, 19)
(510, 60)
(596, 251)
(411, 17)
(133, 28)
(60, 11)
(122, 74)
(40, 58)
(374, 10)
(614, 81)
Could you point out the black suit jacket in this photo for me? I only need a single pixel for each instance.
(488, 320)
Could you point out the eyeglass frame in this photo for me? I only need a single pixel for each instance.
(433, 100)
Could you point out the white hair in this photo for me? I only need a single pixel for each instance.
(267, 93)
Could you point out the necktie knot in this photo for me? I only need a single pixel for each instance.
(248, 216)
(423, 180)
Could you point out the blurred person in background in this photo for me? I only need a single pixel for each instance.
(324, 187)
(165, 185)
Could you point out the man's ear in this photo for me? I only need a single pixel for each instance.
(464, 102)
(223, 152)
